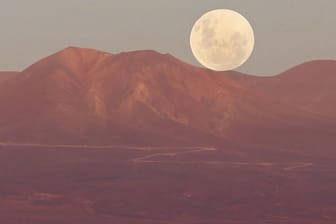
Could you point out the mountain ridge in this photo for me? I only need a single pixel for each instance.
(309, 85)
(81, 95)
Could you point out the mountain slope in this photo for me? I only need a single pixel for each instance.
(84, 96)
(6, 75)
(309, 86)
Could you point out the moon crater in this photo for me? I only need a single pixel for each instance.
(222, 40)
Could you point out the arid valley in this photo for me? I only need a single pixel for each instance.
(164, 185)
(85, 138)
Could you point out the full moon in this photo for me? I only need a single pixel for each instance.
(222, 40)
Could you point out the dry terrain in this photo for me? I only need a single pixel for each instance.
(144, 138)
(175, 185)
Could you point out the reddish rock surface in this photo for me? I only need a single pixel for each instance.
(84, 96)
(143, 138)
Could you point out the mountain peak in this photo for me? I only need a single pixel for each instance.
(81, 54)
(82, 51)
(148, 54)
(144, 52)
(146, 97)
(75, 59)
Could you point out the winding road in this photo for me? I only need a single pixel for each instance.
(150, 158)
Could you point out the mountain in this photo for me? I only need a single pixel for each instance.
(6, 75)
(310, 86)
(84, 96)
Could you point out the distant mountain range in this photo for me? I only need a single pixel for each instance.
(84, 96)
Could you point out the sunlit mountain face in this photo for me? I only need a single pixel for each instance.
(142, 137)
(84, 96)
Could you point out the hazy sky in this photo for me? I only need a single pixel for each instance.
(287, 32)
